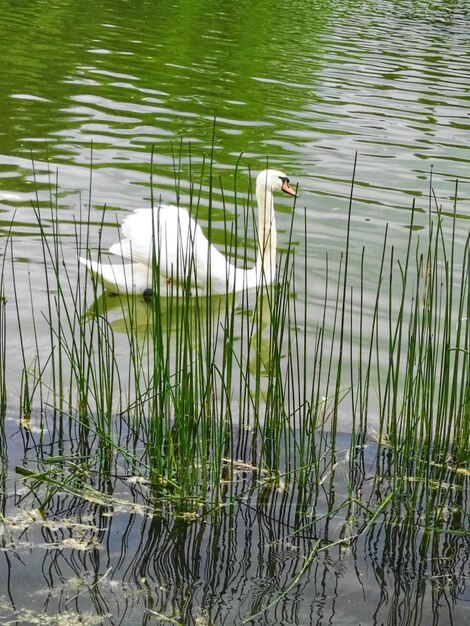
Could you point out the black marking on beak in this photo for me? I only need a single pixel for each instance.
(286, 188)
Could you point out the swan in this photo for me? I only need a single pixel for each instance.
(184, 259)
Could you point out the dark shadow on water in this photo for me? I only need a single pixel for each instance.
(107, 550)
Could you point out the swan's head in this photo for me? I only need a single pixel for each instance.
(274, 180)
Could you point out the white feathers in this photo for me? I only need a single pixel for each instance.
(167, 243)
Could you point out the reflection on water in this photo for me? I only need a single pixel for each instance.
(107, 546)
(206, 318)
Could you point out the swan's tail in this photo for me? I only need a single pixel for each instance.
(127, 278)
(123, 249)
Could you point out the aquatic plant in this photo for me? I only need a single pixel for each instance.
(186, 394)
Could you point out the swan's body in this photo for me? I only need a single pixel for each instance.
(169, 240)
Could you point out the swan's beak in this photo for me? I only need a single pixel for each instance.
(286, 188)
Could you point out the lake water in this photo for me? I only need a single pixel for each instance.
(304, 86)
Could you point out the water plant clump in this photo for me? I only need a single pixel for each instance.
(194, 396)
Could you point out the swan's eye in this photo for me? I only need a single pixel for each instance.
(284, 180)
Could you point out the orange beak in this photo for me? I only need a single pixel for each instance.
(286, 188)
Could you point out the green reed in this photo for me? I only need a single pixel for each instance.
(423, 393)
(183, 390)
(3, 347)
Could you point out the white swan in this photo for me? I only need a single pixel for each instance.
(184, 259)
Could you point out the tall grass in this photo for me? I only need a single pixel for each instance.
(3, 387)
(185, 390)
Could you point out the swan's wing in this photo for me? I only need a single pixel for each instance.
(185, 252)
(136, 237)
(179, 246)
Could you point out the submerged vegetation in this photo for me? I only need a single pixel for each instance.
(192, 405)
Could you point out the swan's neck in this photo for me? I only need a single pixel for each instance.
(267, 238)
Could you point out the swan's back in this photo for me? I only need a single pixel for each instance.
(171, 237)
